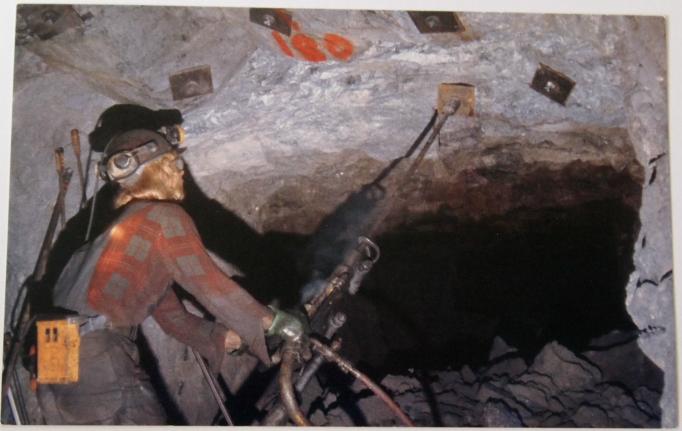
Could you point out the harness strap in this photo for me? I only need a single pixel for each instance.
(94, 323)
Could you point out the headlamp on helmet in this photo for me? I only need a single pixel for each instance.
(130, 150)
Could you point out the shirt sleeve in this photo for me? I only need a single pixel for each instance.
(190, 265)
(207, 338)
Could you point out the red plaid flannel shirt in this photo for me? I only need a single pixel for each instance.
(146, 252)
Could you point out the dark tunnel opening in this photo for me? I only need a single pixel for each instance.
(457, 308)
(444, 289)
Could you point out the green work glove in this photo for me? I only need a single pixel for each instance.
(287, 326)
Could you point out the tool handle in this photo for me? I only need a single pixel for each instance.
(59, 160)
(41, 264)
(76, 142)
(218, 395)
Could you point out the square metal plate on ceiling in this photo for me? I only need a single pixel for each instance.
(436, 22)
(274, 19)
(47, 21)
(552, 83)
(466, 93)
(191, 82)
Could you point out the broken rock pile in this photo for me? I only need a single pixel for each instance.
(558, 389)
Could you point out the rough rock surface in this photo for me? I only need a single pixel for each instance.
(651, 303)
(558, 389)
(281, 141)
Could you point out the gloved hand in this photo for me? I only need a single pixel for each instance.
(287, 326)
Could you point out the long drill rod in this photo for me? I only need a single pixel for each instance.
(59, 165)
(386, 206)
(213, 385)
(76, 145)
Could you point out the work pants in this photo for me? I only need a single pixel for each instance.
(112, 388)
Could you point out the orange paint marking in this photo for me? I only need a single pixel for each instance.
(339, 47)
(282, 44)
(308, 48)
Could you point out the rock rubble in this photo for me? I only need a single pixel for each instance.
(559, 388)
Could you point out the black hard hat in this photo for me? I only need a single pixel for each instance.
(136, 138)
(121, 118)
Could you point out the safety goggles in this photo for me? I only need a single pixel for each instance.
(125, 163)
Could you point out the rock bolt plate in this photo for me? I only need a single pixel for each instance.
(47, 21)
(436, 22)
(191, 82)
(274, 19)
(466, 93)
(552, 84)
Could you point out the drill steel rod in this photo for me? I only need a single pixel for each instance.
(335, 283)
(213, 385)
(386, 206)
(76, 145)
(448, 110)
(59, 162)
(41, 264)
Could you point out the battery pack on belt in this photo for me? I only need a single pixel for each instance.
(59, 345)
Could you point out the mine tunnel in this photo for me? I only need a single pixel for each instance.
(447, 285)
(523, 273)
(489, 288)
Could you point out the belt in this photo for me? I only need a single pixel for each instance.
(90, 324)
(97, 323)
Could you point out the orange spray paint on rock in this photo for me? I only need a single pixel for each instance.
(338, 46)
(282, 44)
(308, 47)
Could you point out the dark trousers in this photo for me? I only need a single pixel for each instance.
(112, 388)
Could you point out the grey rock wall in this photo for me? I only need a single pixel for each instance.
(274, 122)
(651, 304)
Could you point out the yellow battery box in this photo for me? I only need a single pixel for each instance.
(58, 346)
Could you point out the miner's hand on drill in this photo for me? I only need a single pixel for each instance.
(289, 327)
(285, 325)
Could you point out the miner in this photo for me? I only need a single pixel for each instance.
(126, 274)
